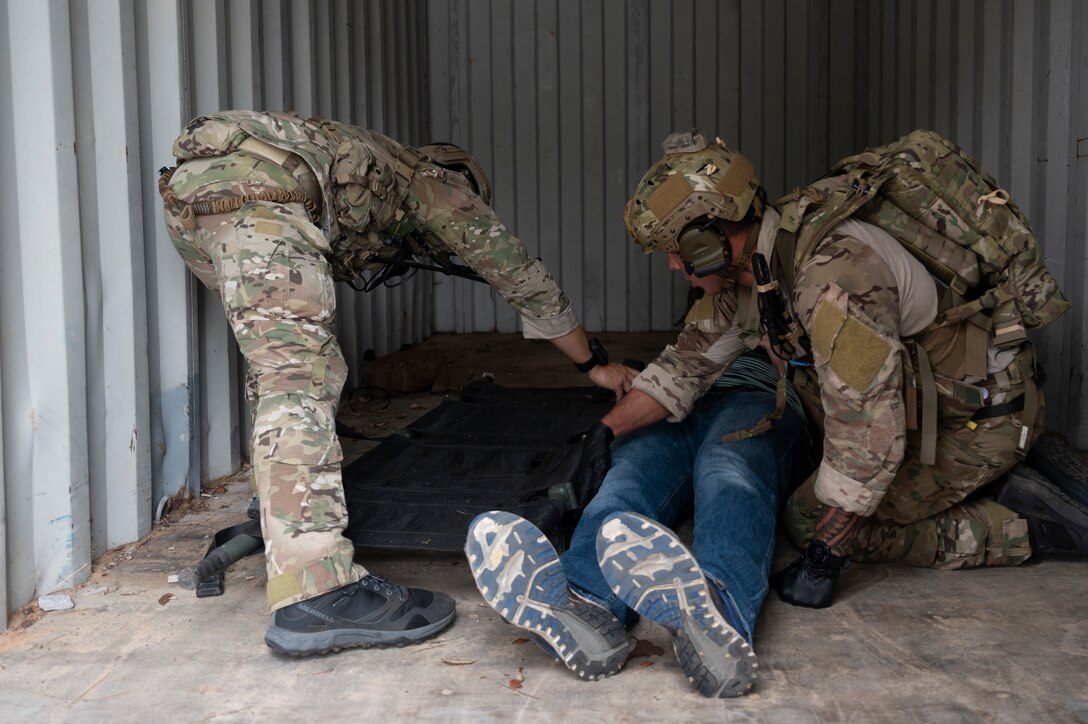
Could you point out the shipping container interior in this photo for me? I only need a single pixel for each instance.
(120, 383)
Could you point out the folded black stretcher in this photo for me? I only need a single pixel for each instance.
(487, 447)
(484, 448)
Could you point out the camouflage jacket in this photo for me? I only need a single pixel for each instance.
(714, 335)
(369, 191)
(855, 472)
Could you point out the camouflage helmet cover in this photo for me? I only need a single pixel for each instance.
(694, 179)
(455, 158)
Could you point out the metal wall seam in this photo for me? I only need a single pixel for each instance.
(1079, 233)
(276, 54)
(1059, 341)
(217, 365)
(842, 83)
(658, 46)
(1022, 95)
(244, 22)
(52, 522)
(172, 315)
(111, 210)
(12, 336)
(580, 278)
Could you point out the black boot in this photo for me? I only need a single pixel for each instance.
(1057, 524)
(369, 613)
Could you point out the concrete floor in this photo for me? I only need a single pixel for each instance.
(900, 644)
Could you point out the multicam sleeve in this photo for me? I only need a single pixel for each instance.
(471, 229)
(707, 345)
(857, 356)
(501, 259)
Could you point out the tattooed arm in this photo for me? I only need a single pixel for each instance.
(810, 580)
(837, 528)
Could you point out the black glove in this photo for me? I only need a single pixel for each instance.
(595, 461)
(810, 580)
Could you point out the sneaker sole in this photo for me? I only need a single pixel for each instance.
(656, 575)
(294, 643)
(519, 575)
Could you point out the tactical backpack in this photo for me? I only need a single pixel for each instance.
(936, 201)
(933, 198)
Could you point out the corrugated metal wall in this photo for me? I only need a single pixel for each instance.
(566, 103)
(119, 382)
(119, 379)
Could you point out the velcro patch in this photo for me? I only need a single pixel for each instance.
(668, 196)
(282, 588)
(701, 311)
(735, 179)
(859, 353)
(268, 228)
(825, 325)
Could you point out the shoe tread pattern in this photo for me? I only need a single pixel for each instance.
(518, 572)
(656, 575)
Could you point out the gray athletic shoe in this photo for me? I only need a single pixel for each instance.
(369, 613)
(650, 569)
(519, 575)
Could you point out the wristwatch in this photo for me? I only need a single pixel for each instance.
(600, 357)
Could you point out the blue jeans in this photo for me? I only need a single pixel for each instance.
(666, 470)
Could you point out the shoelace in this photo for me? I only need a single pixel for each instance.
(380, 585)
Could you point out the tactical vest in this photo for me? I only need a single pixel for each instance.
(363, 176)
(936, 201)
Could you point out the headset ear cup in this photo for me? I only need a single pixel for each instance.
(704, 249)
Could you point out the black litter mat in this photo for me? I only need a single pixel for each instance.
(484, 448)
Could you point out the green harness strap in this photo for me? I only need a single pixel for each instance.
(767, 422)
(928, 453)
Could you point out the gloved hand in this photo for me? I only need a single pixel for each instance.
(810, 580)
(595, 461)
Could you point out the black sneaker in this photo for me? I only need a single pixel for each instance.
(520, 576)
(369, 613)
(654, 573)
(1057, 524)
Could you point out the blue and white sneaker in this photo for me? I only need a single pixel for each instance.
(519, 574)
(647, 566)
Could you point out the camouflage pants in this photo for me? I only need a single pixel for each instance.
(266, 264)
(926, 515)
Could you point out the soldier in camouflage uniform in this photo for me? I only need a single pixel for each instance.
(268, 210)
(863, 303)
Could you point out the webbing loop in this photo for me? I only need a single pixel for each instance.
(767, 422)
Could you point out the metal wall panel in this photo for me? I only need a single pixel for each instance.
(43, 337)
(120, 382)
(565, 103)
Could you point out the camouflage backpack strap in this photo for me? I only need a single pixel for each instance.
(327, 127)
(918, 376)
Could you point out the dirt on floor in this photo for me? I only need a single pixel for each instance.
(899, 644)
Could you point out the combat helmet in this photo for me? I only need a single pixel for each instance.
(694, 181)
(455, 158)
